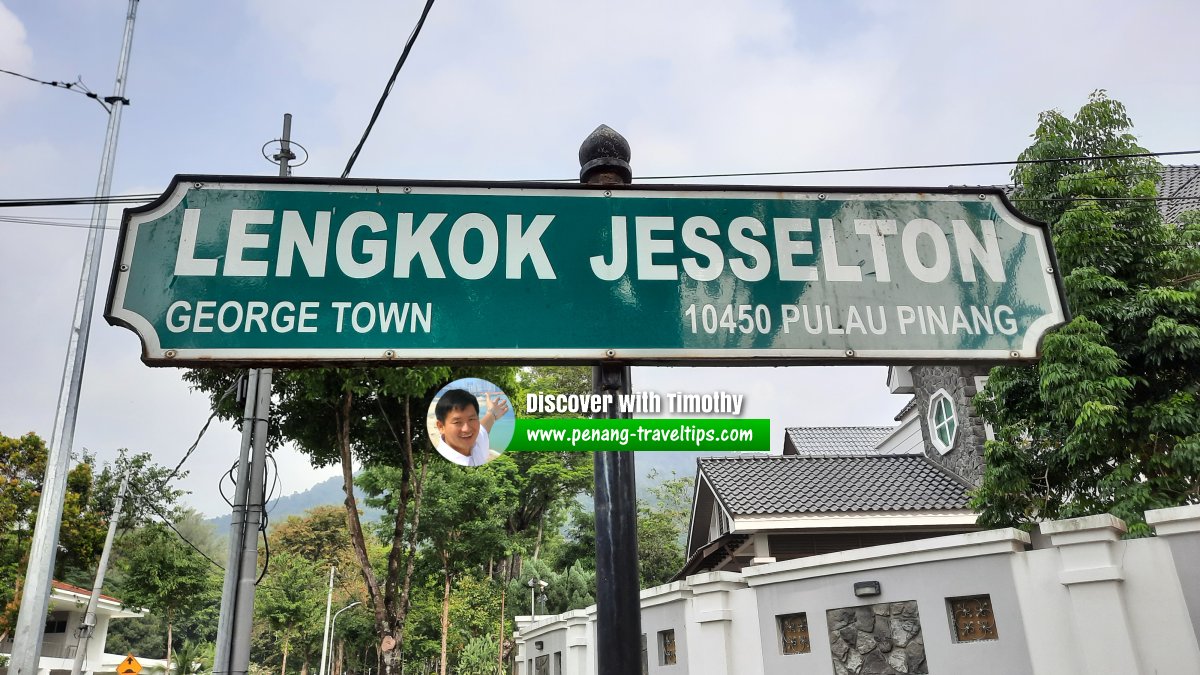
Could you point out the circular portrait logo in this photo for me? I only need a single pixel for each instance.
(470, 421)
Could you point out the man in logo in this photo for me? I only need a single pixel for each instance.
(464, 435)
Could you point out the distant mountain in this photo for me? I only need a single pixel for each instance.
(325, 493)
(663, 464)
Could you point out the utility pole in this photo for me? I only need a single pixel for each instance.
(35, 596)
(328, 606)
(237, 594)
(89, 616)
(604, 160)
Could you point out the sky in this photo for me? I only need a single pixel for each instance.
(507, 90)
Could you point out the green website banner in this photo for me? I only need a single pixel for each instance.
(670, 435)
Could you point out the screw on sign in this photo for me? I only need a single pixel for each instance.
(129, 666)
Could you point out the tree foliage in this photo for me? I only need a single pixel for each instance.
(662, 521)
(146, 636)
(478, 657)
(547, 482)
(164, 575)
(290, 604)
(291, 600)
(1108, 420)
(369, 416)
(193, 658)
(91, 495)
(319, 536)
(373, 417)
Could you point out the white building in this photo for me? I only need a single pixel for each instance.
(1074, 599)
(67, 606)
(856, 553)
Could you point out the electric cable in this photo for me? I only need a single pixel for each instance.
(78, 201)
(221, 483)
(167, 521)
(146, 197)
(275, 482)
(203, 429)
(909, 167)
(77, 86)
(48, 223)
(266, 557)
(412, 38)
(266, 511)
(54, 223)
(1130, 174)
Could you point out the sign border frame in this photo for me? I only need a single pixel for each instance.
(312, 358)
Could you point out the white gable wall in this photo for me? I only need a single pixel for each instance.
(906, 439)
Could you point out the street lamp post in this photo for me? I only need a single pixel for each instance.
(328, 606)
(331, 633)
(535, 585)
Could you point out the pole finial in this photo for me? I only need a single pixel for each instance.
(604, 157)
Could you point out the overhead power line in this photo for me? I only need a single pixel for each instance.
(78, 201)
(146, 197)
(51, 223)
(909, 167)
(77, 86)
(216, 410)
(412, 38)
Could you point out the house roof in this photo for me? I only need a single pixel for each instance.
(64, 586)
(810, 441)
(912, 403)
(1182, 185)
(831, 484)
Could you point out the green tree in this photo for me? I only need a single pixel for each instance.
(662, 527)
(291, 599)
(193, 658)
(91, 494)
(165, 576)
(548, 482)
(374, 417)
(478, 657)
(143, 636)
(1108, 420)
(22, 465)
(578, 541)
(320, 535)
(662, 521)
(567, 588)
(463, 516)
(308, 545)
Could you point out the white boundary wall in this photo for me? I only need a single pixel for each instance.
(1083, 601)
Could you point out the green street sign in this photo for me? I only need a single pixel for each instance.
(301, 271)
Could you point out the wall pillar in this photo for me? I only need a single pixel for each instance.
(575, 661)
(1090, 567)
(1180, 528)
(518, 650)
(711, 650)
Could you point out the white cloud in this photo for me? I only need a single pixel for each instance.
(15, 55)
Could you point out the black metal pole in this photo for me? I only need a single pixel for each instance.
(604, 160)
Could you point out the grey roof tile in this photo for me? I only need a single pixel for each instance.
(1182, 184)
(912, 403)
(837, 440)
(829, 484)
